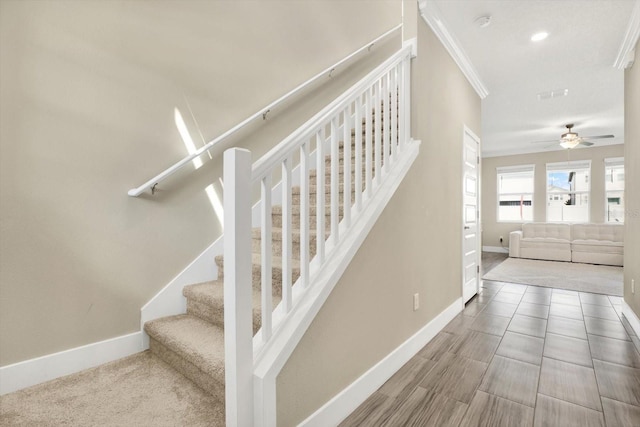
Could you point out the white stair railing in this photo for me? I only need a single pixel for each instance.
(379, 103)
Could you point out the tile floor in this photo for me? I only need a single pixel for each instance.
(518, 356)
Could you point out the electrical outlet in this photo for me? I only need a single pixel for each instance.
(416, 301)
(633, 286)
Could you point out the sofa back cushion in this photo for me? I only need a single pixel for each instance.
(546, 230)
(608, 232)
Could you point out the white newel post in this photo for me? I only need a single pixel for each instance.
(238, 328)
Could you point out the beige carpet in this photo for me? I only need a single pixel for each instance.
(140, 390)
(598, 279)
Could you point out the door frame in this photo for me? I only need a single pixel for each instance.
(468, 132)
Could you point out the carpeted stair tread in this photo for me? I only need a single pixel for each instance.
(206, 301)
(199, 342)
(205, 292)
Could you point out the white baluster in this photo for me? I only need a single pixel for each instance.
(346, 153)
(320, 217)
(335, 180)
(358, 145)
(406, 65)
(402, 130)
(286, 234)
(304, 214)
(266, 257)
(394, 112)
(386, 122)
(238, 318)
(368, 113)
(377, 145)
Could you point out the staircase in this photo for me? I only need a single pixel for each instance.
(238, 333)
(193, 343)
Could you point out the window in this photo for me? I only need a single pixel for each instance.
(614, 189)
(568, 191)
(515, 193)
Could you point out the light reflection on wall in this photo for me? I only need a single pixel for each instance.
(186, 138)
(214, 199)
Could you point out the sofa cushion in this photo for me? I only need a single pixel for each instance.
(546, 230)
(544, 243)
(597, 246)
(600, 232)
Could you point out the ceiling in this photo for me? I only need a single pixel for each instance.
(584, 40)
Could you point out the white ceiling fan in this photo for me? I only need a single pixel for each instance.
(571, 139)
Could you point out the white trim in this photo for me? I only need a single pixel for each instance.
(466, 131)
(269, 360)
(433, 17)
(413, 42)
(35, 371)
(633, 319)
(496, 249)
(626, 53)
(345, 402)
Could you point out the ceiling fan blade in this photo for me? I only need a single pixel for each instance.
(544, 142)
(586, 143)
(598, 137)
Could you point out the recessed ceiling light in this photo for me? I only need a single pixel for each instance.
(539, 36)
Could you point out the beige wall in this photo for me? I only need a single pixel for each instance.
(88, 91)
(414, 247)
(492, 229)
(632, 180)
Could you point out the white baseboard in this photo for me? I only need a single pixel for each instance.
(633, 319)
(498, 249)
(345, 402)
(35, 371)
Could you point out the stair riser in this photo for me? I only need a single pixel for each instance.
(276, 277)
(213, 386)
(276, 220)
(313, 200)
(276, 247)
(215, 313)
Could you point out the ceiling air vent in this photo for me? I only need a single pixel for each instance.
(556, 93)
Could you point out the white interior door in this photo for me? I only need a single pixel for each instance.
(470, 216)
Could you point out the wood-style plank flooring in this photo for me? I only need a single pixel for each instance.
(518, 356)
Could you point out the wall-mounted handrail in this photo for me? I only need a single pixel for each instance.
(135, 192)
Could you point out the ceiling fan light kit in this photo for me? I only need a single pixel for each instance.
(570, 139)
(570, 143)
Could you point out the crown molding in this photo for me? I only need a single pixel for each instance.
(626, 54)
(433, 17)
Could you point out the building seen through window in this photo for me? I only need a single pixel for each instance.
(614, 189)
(515, 193)
(568, 189)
